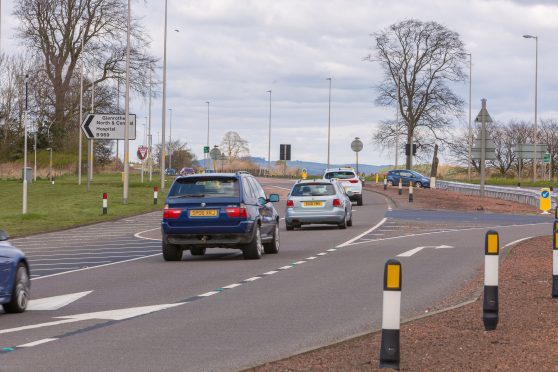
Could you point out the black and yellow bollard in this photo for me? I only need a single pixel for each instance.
(385, 183)
(391, 316)
(555, 259)
(410, 191)
(105, 203)
(491, 267)
(400, 186)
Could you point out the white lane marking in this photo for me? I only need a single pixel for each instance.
(90, 253)
(231, 286)
(57, 268)
(451, 231)
(138, 235)
(38, 342)
(252, 279)
(331, 250)
(516, 241)
(71, 263)
(298, 262)
(119, 314)
(82, 258)
(270, 272)
(321, 254)
(411, 252)
(55, 302)
(284, 267)
(207, 294)
(282, 218)
(363, 234)
(280, 187)
(98, 246)
(95, 267)
(311, 258)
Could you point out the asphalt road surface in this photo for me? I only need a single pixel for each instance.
(106, 300)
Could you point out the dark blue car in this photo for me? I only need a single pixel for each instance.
(14, 277)
(407, 176)
(219, 210)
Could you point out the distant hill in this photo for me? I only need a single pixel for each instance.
(318, 168)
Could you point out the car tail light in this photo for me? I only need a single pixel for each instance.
(336, 202)
(236, 212)
(353, 181)
(171, 213)
(290, 204)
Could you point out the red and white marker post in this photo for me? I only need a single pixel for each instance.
(105, 203)
(155, 194)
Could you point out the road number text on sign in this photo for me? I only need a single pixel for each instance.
(108, 126)
(545, 203)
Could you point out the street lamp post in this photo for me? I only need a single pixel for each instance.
(149, 144)
(24, 206)
(127, 113)
(269, 139)
(82, 30)
(164, 111)
(536, 91)
(207, 142)
(470, 135)
(329, 123)
(50, 164)
(170, 140)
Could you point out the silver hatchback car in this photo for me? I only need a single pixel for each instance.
(318, 202)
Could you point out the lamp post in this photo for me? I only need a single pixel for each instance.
(329, 123)
(127, 113)
(24, 206)
(80, 145)
(269, 140)
(50, 164)
(470, 135)
(149, 144)
(164, 110)
(207, 142)
(536, 91)
(170, 140)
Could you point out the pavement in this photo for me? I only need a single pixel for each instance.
(124, 308)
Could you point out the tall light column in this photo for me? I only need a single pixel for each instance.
(80, 106)
(329, 124)
(536, 92)
(207, 142)
(170, 139)
(470, 135)
(24, 206)
(127, 114)
(269, 139)
(164, 110)
(149, 135)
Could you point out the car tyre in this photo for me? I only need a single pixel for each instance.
(171, 252)
(289, 227)
(350, 222)
(418, 185)
(390, 183)
(20, 292)
(254, 249)
(359, 200)
(343, 225)
(197, 251)
(273, 246)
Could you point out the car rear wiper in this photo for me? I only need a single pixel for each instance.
(188, 196)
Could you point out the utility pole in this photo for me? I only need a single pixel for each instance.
(329, 124)
(82, 30)
(127, 115)
(24, 207)
(206, 155)
(470, 135)
(170, 140)
(164, 110)
(149, 134)
(269, 141)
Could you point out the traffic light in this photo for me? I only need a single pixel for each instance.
(407, 149)
(285, 152)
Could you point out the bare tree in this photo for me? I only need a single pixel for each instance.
(548, 133)
(234, 146)
(418, 59)
(54, 30)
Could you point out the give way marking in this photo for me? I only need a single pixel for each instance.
(411, 252)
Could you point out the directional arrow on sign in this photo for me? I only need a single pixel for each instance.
(86, 125)
(411, 252)
(56, 302)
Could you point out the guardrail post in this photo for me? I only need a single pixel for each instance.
(555, 257)
(491, 267)
(391, 316)
(400, 191)
(155, 192)
(105, 203)
(410, 191)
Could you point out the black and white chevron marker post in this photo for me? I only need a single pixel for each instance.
(391, 316)
(491, 267)
(400, 187)
(105, 203)
(555, 259)
(410, 191)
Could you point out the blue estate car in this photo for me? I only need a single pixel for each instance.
(406, 176)
(14, 277)
(219, 210)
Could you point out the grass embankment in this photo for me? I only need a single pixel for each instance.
(65, 204)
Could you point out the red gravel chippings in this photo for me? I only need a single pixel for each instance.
(526, 338)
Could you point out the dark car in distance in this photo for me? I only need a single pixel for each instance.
(14, 277)
(219, 210)
(187, 171)
(407, 176)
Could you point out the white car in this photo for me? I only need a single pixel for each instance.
(349, 179)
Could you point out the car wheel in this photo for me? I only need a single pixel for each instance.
(289, 227)
(254, 249)
(171, 252)
(20, 292)
(273, 246)
(197, 251)
(343, 225)
(350, 221)
(390, 183)
(359, 200)
(418, 185)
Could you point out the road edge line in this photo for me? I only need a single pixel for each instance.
(348, 242)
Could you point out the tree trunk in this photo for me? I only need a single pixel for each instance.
(435, 161)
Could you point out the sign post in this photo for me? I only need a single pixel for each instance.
(215, 154)
(483, 117)
(108, 126)
(356, 146)
(545, 202)
(142, 154)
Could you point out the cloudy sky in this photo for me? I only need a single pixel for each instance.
(231, 52)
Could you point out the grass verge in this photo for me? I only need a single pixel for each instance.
(66, 204)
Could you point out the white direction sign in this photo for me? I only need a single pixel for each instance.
(411, 252)
(108, 126)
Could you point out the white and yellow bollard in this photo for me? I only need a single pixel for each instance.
(491, 267)
(391, 316)
(385, 183)
(410, 191)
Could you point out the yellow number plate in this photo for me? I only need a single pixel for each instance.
(204, 213)
(313, 203)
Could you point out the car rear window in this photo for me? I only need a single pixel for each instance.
(340, 175)
(313, 189)
(205, 187)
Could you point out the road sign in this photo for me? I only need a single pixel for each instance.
(142, 152)
(527, 150)
(304, 174)
(545, 203)
(546, 158)
(483, 116)
(206, 149)
(215, 153)
(108, 126)
(356, 145)
(284, 152)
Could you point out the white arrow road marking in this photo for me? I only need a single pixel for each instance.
(39, 342)
(56, 302)
(411, 252)
(119, 314)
